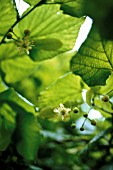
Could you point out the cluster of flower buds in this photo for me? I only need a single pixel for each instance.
(93, 122)
(24, 44)
(63, 112)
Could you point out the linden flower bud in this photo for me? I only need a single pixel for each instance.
(27, 32)
(81, 129)
(85, 115)
(73, 125)
(105, 98)
(93, 122)
(11, 30)
(9, 36)
(76, 110)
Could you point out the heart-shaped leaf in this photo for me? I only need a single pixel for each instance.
(55, 32)
(94, 60)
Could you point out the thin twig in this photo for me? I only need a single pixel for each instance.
(96, 107)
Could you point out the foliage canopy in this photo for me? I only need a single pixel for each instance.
(49, 93)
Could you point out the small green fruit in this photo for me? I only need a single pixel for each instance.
(81, 129)
(105, 98)
(93, 122)
(76, 110)
(73, 125)
(9, 36)
(27, 32)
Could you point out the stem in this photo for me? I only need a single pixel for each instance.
(15, 35)
(111, 113)
(84, 122)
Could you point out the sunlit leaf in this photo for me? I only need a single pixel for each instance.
(18, 68)
(63, 29)
(66, 89)
(93, 62)
(7, 16)
(34, 2)
(11, 51)
(43, 76)
(47, 44)
(15, 65)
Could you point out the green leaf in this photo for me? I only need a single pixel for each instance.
(107, 89)
(63, 29)
(89, 96)
(43, 76)
(18, 68)
(34, 2)
(11, 96)
(47, 44)
(29, 137)
(7, 16)
(10, 53)
(2, 85)
(102, 17)
(93, 62)
(74, 8)
(7, 125)
(67, 89)
(15, 66)
(26, 134)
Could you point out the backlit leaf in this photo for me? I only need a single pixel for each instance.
(18, 68)
(94, 60)
(7, 16)
(66, 89)
(34, 2)
(48, 44)
(63, 29)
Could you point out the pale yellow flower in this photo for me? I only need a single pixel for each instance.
(62, 111)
